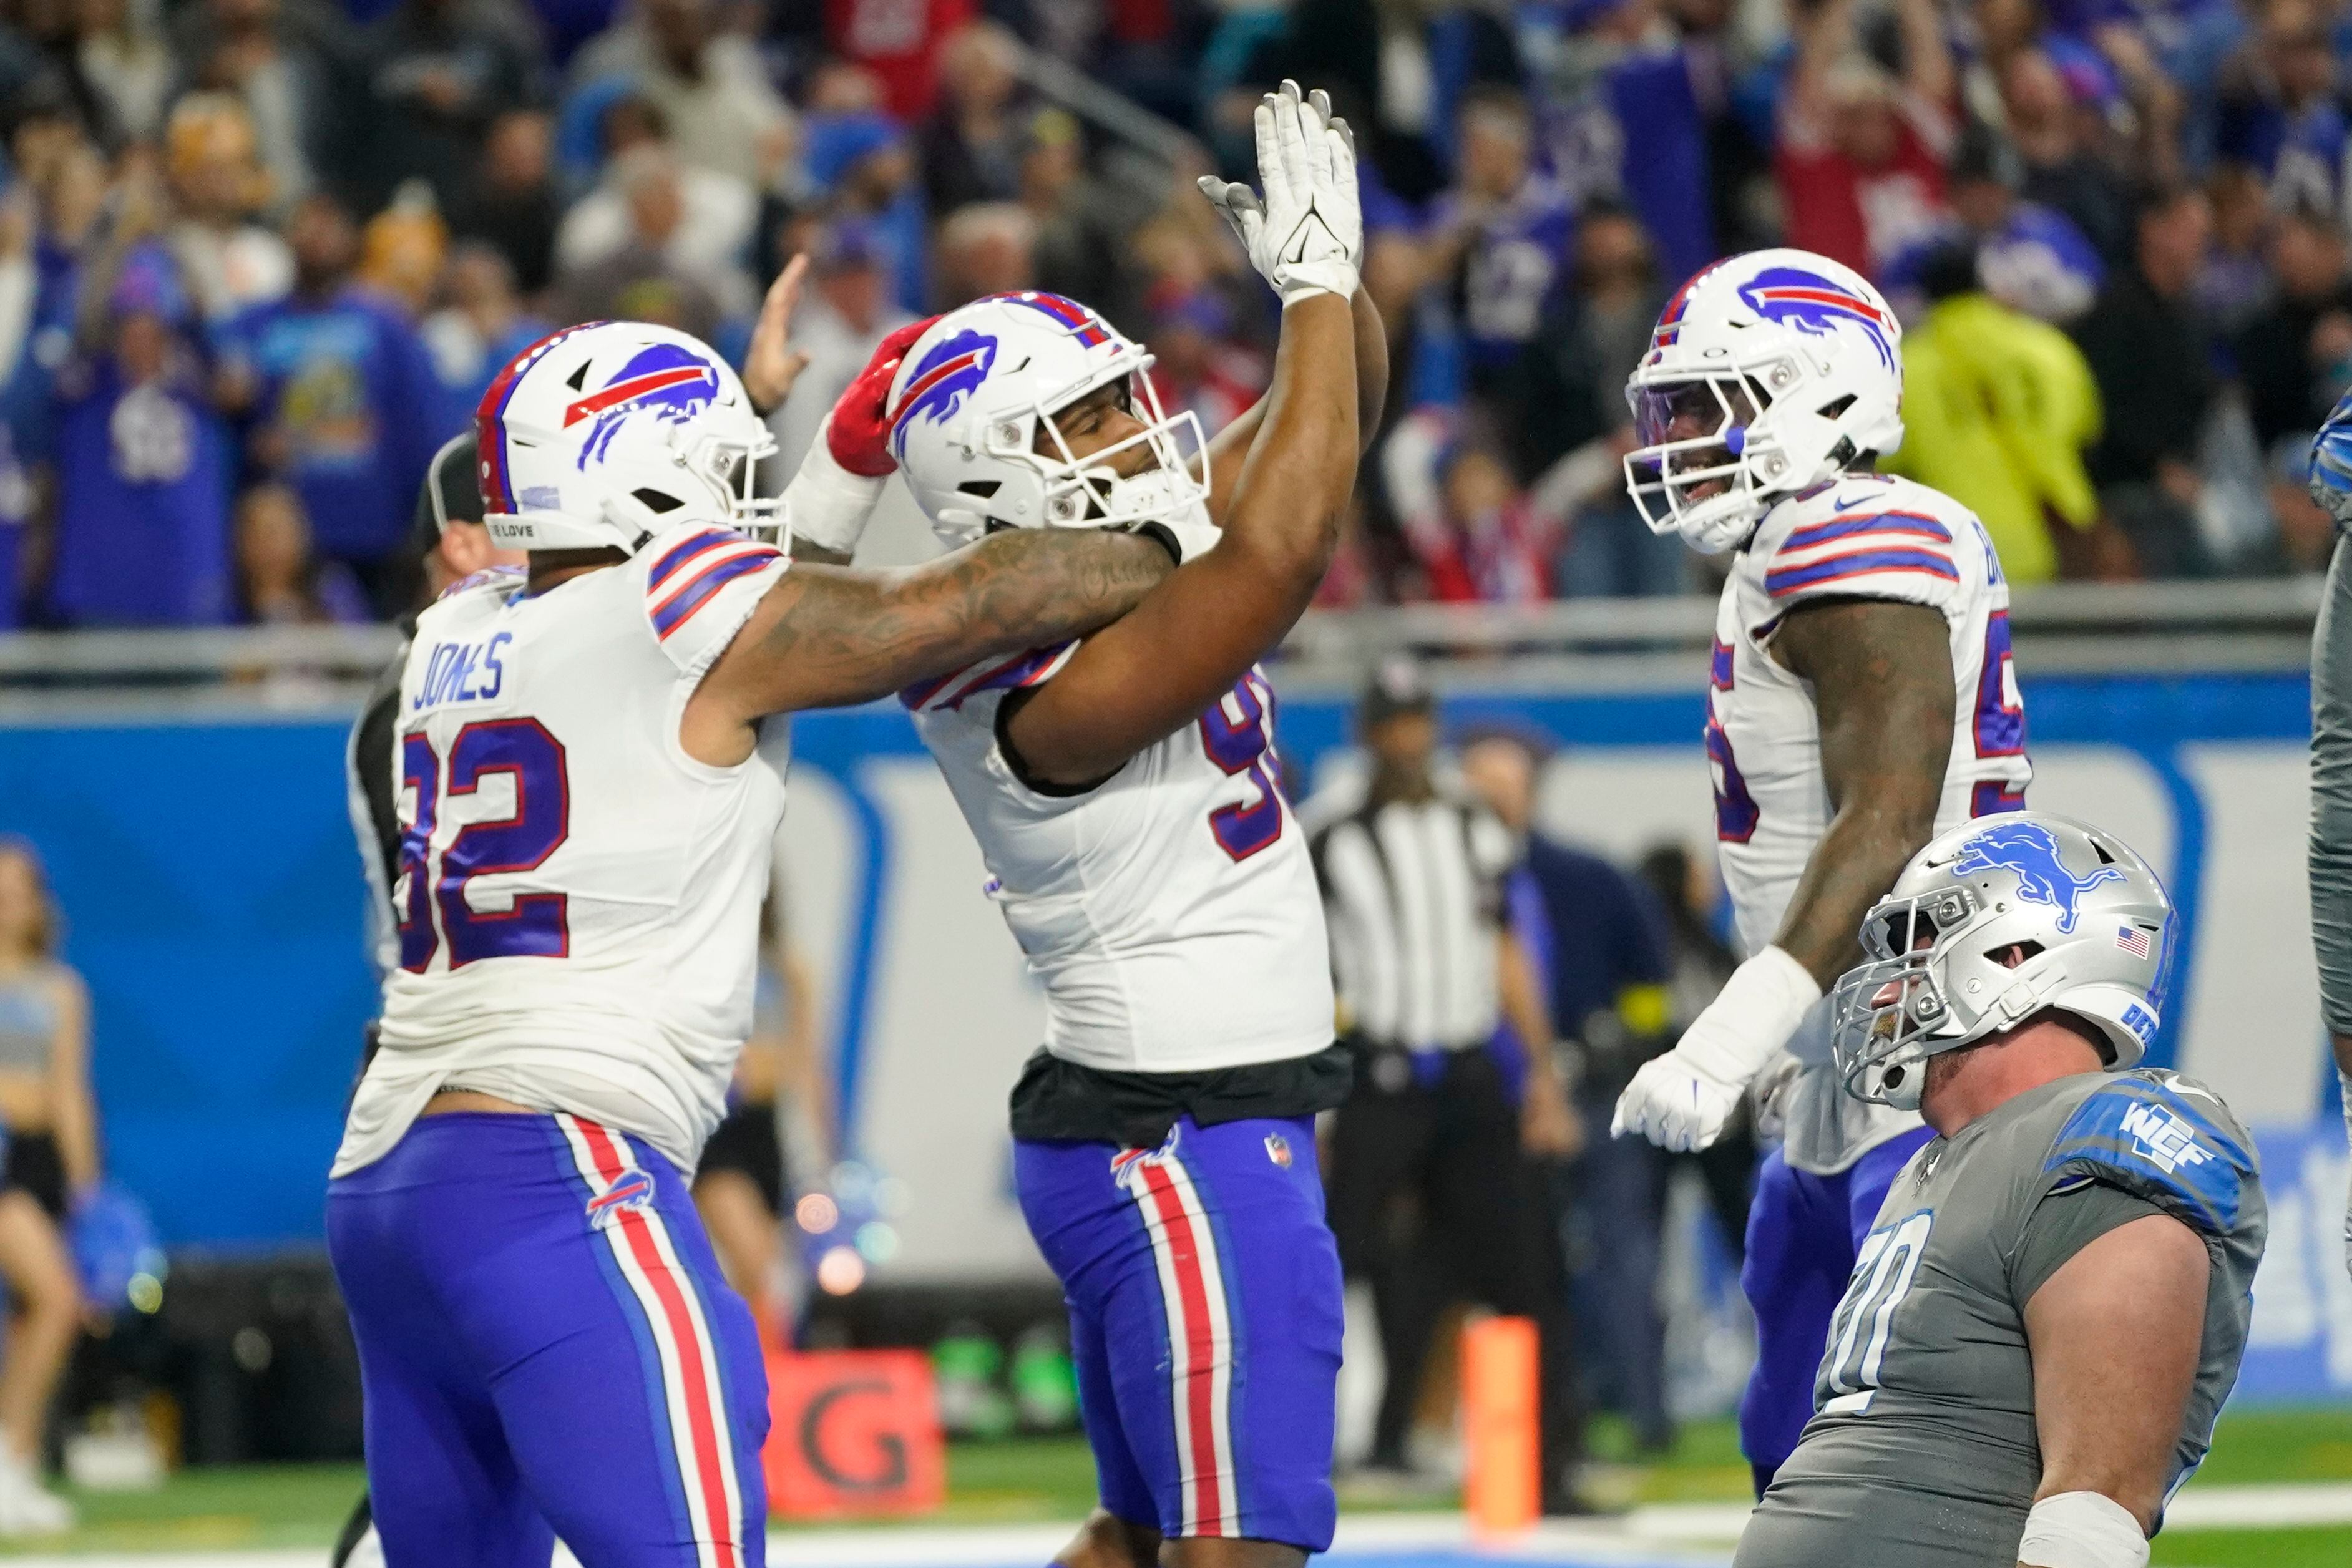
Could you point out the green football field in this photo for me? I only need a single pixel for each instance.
(1029, 1481)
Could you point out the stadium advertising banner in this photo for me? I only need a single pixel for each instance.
(212, 899)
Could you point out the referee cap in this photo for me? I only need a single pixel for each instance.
(1397, 687)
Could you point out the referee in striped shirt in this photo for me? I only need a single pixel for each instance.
(1440, 1159)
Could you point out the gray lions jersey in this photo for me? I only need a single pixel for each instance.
(1922, 1451)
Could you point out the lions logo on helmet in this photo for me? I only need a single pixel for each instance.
(1990, 923)
(1767, 375)
(605, 433)
(972, 421)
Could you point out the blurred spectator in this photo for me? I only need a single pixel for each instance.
(51, 1120)
(279, 582)
(1078, 245)
(2149, 357)
(642, 279)
(1997, 408)
(1484, 541)
(2279, 113)
(2296, 357)
(510, 202)
(2233, 284)
(339, 399)
(127, 63)
(1201, 370)
(1860, 163)
(1500, 239)
(972, 143)
(2029, 257)
(1598, 942)
(303, 94)
(1569, 422)
(143, 467)
(2062, 169)
(709, 84)
(403, 247)
(482, 326)
(218, 184)
(715, 213)
(861, 165)
(987, 248)
(439, 71)
(843, 318)
(901, 42)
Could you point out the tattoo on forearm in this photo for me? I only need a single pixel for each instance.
(1886, 695)
(855, 636)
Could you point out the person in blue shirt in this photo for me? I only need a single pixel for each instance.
(1499, 238)
(142, 465)
(1600, 941)
(330, 382)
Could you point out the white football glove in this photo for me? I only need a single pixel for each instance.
(1681, 1100)
(1306, 236)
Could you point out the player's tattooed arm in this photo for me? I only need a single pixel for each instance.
(824, 636)
(1884, 686)
(1231, 446)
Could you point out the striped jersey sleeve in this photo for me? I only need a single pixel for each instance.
(701, 583)
(1875, 549)
(949, 693)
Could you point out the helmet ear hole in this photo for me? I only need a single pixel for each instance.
(1836, 406)
(656, 501)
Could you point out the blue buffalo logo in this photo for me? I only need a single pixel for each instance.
(952, 371)
(1811, 303)
(663, 380)
(2026, 850)
(632, 1190)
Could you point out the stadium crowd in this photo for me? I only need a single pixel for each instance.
(259, 257)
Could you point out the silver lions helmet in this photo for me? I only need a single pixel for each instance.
(1989, 925)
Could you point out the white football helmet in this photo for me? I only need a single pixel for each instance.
(2092, 921)
(1767, 373)
(604, 434)
(979, 389)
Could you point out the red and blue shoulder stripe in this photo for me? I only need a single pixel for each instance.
(690, 573)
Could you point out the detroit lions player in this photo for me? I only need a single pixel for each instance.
(2050, 1305)
(1124, 795)
(588, 794)
(2331, 758)
(1860, 700)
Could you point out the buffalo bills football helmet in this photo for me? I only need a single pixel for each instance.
(1988, 925)
(1767, 373)
(608, 433)
(971, 423)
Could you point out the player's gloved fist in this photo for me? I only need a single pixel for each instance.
(1683, 1100)
(1307, 236)
(1676, 1104)
(858, 434)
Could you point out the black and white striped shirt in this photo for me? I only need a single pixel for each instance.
(1413, 896)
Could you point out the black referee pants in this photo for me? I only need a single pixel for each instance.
(1434, 1201)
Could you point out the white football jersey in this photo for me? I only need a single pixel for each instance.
(1866, 536)
(579, 898)
(1171, 912)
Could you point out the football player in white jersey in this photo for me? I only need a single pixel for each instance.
(589, 791)
(1123, 791)
(1862, 700)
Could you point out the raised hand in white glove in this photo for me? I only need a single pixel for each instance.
(1306, 236)
(1682, 1100)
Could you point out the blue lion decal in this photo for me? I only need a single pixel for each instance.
(663, 380)
(1811, 303)
(2027, 850)
(952, 371)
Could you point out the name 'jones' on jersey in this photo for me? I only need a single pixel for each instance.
(1863, 537)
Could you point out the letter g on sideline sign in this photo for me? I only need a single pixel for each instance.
(851, 1434)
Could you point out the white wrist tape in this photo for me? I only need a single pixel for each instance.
(1762, 1004)
(827, 505)
(2082, 1530)
(2347, 1079)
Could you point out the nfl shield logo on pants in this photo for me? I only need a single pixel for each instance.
(1277, 1149)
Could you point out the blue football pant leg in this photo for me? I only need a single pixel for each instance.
(1799, 1255)
(1126, 1494)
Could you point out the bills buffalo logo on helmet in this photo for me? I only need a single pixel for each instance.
(943, 378)
(1811, 303)
(663, 380)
